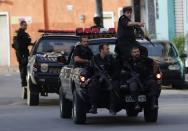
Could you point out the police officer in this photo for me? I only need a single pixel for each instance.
(126, 34)
(21, 41)
(82, 53)
(145, 67)
(103, 64)
(97, 22)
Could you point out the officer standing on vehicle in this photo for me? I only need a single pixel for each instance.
(126, 35)
(97, 22)
(82, 53)
(104, 65)
(21, 41)
(144, 66)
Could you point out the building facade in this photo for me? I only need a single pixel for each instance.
(51, 14)
(171, 18)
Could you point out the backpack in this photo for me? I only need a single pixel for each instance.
(15, 43)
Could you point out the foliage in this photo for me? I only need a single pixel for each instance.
(179, 41)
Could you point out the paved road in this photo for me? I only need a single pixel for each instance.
(15, 115)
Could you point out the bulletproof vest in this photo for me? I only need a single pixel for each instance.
(142, 67)
(85, 52)
(105, 64)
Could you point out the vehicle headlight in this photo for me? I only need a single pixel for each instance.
(82, 79)
(44, 68)
(174, 67)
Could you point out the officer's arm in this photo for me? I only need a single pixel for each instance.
(131, 23)
(77, 59)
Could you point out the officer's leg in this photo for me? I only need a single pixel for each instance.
(134, 90)
(115, 98)
(123, 51)
(153, 92)
(23, 67)
(93, 91)
(19, 60)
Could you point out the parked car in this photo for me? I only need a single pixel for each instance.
(171, 65)
(166, 54)
(47, 57)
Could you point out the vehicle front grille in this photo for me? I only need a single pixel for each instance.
(54, 70)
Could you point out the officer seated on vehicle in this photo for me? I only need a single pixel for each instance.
(103, 65)
(144, 66)
(82, 53)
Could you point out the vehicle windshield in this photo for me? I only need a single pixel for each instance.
(160, 49)
(55, 45)
(95, 47)
(157, 49)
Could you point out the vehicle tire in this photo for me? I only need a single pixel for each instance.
(78, 110)
(132, 113)
(150, 115)
(24, 93)
(65, 106)
(32, 94)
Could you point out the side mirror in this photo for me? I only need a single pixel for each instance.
(183, 55)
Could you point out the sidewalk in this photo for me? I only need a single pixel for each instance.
(8, 70)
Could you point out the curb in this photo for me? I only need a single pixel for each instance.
(8, 70)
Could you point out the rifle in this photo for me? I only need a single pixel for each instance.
(140, 34)
(106, 77)
(134, 77)
(102, 73)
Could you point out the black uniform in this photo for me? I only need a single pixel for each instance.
(144, 67)
(21, 41)
(84, 53)
(125, 32)
(126, 39)
(103, 72)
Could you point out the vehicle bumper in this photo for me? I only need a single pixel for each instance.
(51, 82)
(171, 77)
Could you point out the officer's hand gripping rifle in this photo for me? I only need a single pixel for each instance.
(140, 34)
(102, 73)
(105, 76)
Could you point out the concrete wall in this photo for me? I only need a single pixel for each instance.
(179, 17)
(162, 20)
(185, 9)
(185, 16)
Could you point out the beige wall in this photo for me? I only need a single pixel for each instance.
(60, 15)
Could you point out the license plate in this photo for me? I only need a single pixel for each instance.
(141, 98)
(129, 99)
(54, 70)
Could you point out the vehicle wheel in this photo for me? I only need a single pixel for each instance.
(65, 106)
(150, 115)
(32, 94)
(79, 109)
(24, 93)
(132, 113)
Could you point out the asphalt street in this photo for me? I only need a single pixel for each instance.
(15, 115)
